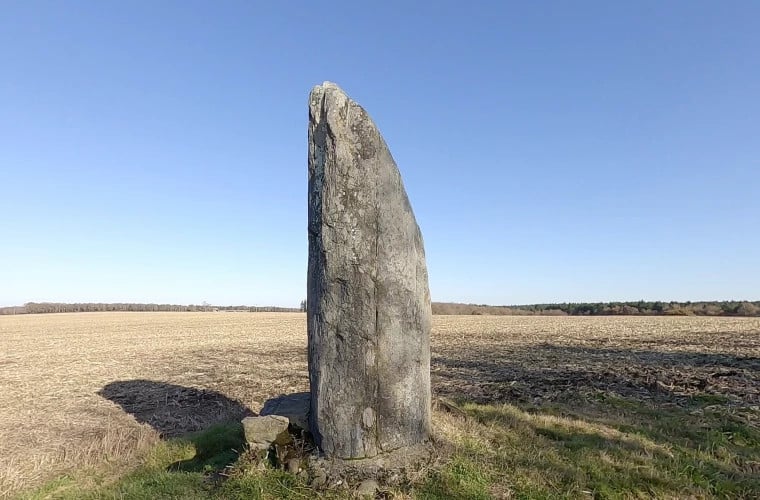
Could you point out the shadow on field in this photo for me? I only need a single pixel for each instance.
(173, 410)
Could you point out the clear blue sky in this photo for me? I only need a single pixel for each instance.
(552, 151)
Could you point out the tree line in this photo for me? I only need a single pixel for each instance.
(60, 307)
(634, 308)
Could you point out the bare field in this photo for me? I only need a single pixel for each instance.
(93, 389)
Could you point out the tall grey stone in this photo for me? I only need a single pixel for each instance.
(369, 310)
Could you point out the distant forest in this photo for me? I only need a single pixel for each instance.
(639, 308)
(57, 307)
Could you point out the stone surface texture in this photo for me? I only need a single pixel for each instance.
(369, 312)
(262, 432)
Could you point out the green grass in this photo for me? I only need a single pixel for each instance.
(462, 478)
(609, 447)
(187, 468)
(615, 449)
(214, 449)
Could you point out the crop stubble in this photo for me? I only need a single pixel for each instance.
(83, 390)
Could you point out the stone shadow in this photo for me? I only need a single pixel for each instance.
(173, 410)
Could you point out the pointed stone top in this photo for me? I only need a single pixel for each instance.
(326, 98)
(328, 87)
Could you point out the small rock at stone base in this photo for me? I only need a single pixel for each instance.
(319, 479)
(262, 432)
(293, 465)
(367, 488)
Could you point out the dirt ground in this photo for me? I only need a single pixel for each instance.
(83, 390)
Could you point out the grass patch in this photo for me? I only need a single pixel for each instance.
(462, 478)
(637, 452)
(215, 449)
(207, 465)
(179, 468)
(497, 452)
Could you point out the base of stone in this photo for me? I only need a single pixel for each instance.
(388, 468)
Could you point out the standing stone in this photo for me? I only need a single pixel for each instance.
(369, 310)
